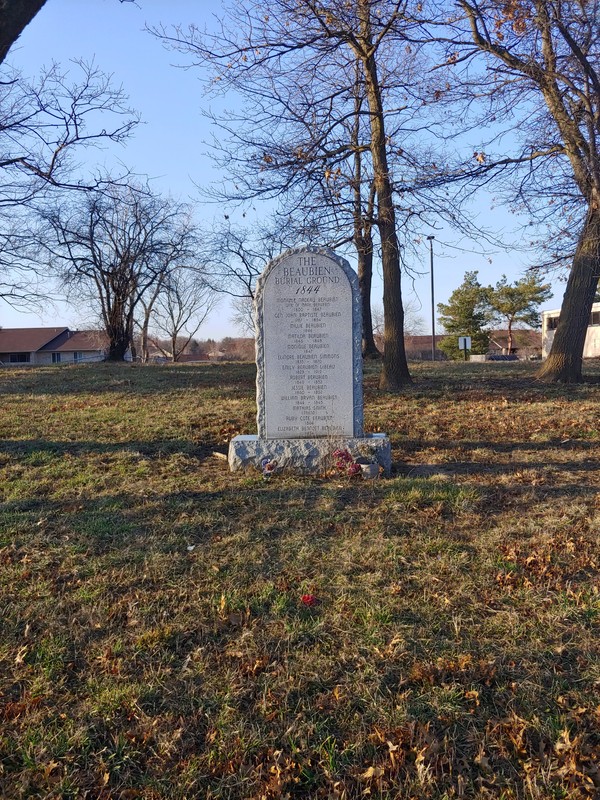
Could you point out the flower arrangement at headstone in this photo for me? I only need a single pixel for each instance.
(345, 464)
(269, 467)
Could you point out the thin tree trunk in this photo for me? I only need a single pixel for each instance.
(364, 250)
(144, 335)
(144, 342)
(363, 232)
(148, 308)
(131, 337)
(564, 363)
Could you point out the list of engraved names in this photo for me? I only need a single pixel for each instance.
(307, 313)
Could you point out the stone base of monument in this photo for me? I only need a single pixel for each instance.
(307, 456)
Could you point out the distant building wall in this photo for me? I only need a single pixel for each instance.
(42, 358)
(591, 347)
(72, 357)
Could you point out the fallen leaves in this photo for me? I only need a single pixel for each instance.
(15, 709)
(307, 638)
(558, 561)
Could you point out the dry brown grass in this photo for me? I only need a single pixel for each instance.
(154, 641)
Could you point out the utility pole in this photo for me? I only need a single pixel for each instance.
(430, 240)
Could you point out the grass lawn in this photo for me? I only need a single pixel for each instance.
(154, 642)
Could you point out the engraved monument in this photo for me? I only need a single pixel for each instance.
(309, 366)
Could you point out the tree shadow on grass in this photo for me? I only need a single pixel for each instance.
(119, 523)
(416, 445)
(138, 379)
(44, 449)
(512, 468)
(584, 460)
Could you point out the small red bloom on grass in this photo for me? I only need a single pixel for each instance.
(308, 600)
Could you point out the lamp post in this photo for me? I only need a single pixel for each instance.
(430, 240)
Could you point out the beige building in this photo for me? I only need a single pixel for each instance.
(19, 346)
(591, 348)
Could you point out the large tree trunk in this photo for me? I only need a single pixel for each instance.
(394, 373)
(14, 16)
(564, 363)
(118, 348)
(118, 332)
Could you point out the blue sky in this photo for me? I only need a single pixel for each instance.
(169, 145)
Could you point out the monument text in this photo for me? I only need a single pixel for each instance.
(308, 357)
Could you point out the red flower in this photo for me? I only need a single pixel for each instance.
(308, 600)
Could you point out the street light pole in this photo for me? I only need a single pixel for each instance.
(430, 240)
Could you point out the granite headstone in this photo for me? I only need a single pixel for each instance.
(309, 366)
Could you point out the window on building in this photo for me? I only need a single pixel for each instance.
(19, 358)
(56, 358)
(77, 357)
(595, 318)
(552, 323)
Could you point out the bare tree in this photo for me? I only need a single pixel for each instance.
(243, 315)
(47, 122)
(21, 285)
(44, 125)
(234, 256)
(299, 42)
(181, 309)
(540, 72)
(414, 323)
(307, 146)
(114, 248)
(142, 323)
